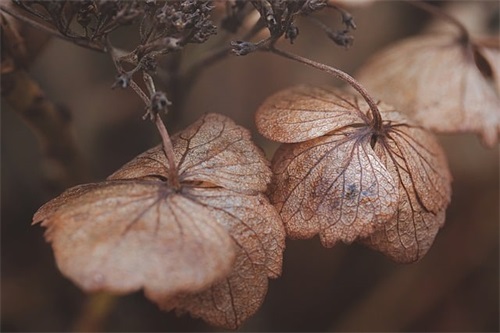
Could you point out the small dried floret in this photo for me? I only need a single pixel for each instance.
(341, 38)
(291, 33)
(348, 20)
(159, 102)
(122, 81)
(241, 48)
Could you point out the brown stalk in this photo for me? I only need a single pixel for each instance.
(49, 123)
(94, 312)
(169, 152)
(168, 148)
(51, 126)
(167, 143)
(377, 118)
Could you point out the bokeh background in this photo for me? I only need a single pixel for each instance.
(345, 288)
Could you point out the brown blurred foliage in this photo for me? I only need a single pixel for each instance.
(345, 288)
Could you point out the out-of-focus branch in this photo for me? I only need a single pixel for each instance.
(94, 312)
(64, 164)
(50, 124)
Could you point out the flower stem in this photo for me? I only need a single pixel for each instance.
(377, 118)
(168, 149)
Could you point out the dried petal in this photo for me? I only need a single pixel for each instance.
(445, 84)
(258, 232)
(333, 185)
(213, 149)
(122, 236)
(387, 188)
(414, 158)
(304, 112)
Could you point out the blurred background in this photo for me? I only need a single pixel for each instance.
(345, 288)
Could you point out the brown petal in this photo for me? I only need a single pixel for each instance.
(122, 236)
(334, 185)
(443, 83)
(414, 158)
(303, 112)
(423, 159)
(215, 150)
(258, 232)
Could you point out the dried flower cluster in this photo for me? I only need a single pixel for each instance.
(278, 17)
(163, 25)
(83, 22)
(166, 26)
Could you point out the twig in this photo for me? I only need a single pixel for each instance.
(50, 125)
(94, 312)
(168, 148)
(173, 177)
(116, 61)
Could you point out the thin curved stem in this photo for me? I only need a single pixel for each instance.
(377, 118)
(150, 85)
(119, 68)
(464, 33)
(139, 92)
(168, 149)
(94, 312)
(165, 137)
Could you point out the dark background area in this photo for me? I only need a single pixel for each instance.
(345, 288)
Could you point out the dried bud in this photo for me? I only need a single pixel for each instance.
(122, 81)
(241, 48)
(159, 102)
(348, 20)
(149, 64)
(291, 33)
(341, 38)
